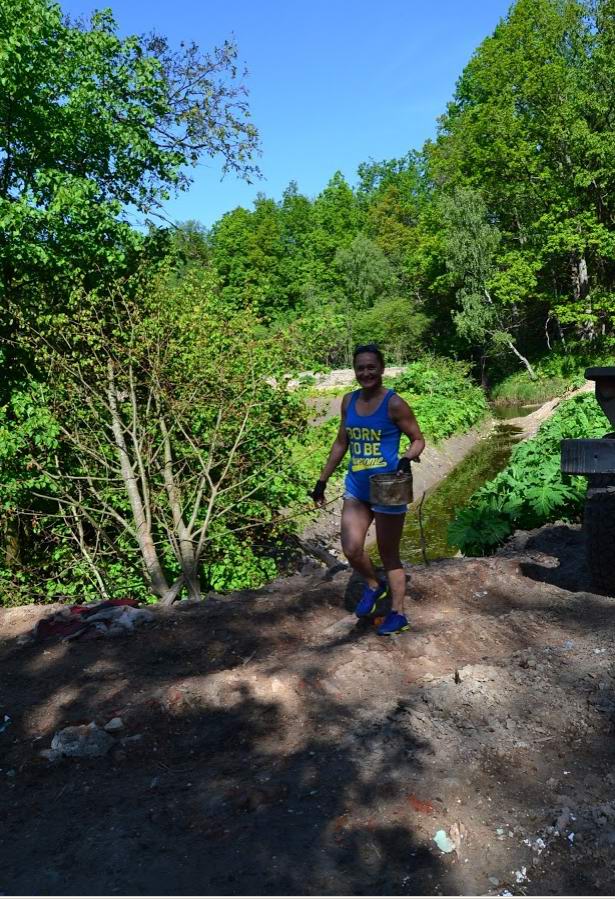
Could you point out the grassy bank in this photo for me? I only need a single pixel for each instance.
(556, 373)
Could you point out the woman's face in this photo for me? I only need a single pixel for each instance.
(368, 370)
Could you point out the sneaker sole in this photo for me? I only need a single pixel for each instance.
(399, 630)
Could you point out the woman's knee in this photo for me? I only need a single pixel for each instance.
(352, 550)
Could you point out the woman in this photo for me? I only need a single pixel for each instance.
(373, 420)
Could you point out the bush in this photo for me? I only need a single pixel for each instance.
(398, 328)
(153, 456)
(442, 396)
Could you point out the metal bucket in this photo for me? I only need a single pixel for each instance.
(390, 489)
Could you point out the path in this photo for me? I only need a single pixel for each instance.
(283, 748)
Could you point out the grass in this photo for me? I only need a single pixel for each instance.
(557, 372)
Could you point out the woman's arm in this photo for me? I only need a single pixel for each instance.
(403, 416)
(337, 453)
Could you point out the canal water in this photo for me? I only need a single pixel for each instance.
(488, 457)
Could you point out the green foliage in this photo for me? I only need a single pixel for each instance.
(518, 388)
(367, 275)
(444, 399)
(91, 122)
(531, 490)
(183, 364)
(394, 324)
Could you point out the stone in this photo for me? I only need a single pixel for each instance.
(52, 755)
(114, 725)
(82, 741)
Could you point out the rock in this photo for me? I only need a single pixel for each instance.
(52, 755)
(25, 640)
(563, 819)
(82, 741)
(457, 833)
(114, 725)
(495, 881)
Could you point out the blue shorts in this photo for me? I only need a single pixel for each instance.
(376, 507)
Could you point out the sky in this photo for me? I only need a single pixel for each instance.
(332, 83)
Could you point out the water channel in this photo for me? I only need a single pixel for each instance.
(481, 464)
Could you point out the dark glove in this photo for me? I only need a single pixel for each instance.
(319, 491)
(403, 466)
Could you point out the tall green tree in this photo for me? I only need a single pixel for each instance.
(366, 272)
(484, 317)
(337, 221)
(531, 128)
(92, 125)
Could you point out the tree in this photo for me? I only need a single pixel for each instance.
(337, 220)
(530, 127)
(91, 125)
(92, 128)
(396, 325)
(159, 434)
(365, 270)
(472, 246)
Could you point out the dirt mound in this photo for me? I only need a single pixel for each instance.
(272, 744)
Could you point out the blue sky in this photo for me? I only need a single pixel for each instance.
(332, 84)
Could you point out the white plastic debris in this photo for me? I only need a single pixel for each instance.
(521, 876)
(443, 841)
(538, 845)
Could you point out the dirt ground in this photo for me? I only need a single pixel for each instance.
(272, 744)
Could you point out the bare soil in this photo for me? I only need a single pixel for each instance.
(274, 745)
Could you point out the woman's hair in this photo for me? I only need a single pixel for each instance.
(369, 348)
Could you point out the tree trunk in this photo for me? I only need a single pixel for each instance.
(149, 556)
(580, 290)
(522, 358)
(12, 542)
(187, 557)
(168, 598)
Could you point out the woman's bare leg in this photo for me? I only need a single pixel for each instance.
(388, 534)
(356, 519)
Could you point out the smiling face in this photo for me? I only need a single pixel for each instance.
(368, 370)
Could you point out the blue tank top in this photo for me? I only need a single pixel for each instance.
(373, 442)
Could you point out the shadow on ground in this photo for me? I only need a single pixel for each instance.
(228, 795)
(272, 745)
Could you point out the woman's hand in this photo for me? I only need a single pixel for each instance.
(403, 466)
(318, 493)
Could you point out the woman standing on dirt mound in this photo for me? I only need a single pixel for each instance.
(373, 420)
